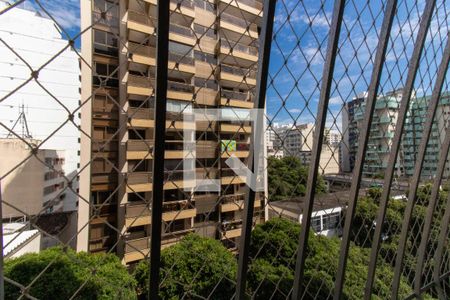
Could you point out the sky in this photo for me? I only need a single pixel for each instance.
(299, 48)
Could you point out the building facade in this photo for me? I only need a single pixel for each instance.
(20, 188)
(380, 137)
(415, 120)
(213, 53)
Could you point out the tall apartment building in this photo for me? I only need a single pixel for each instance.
(414, 123)
(38, 40)
(21, 187)
(349, 143)
(380, 137)
(213, 53)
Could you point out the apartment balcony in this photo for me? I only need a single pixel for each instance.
(137, 214)
(235, 202)
(186, 7)
(141, 117)
(232, 148)
(142, 54)
(141, 22)
(236, 76)
(144, 118)
(182, 34)
(142, 181)
(228, 176)
(238, 25)
(232, 52)
(137, 249)
(174, 149)
(231, 229)
(177, 210)
(140, 85)
(103, 213)
(206, 96)
(103, 182)
(180, 91)
(182, 63)
(235, 99)
(235, 127)
(104, 145)
(253, 7)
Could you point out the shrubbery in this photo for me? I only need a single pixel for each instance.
(89, 276)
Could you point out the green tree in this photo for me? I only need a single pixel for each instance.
(274, 246)
(287, 178)
(98, 276)
(195, 266)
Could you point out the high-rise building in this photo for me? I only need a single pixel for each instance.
(349, 143)
(414, 123)
(213, 53)
(380, 137)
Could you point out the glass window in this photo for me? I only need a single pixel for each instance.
(315, 224)
(105, 43)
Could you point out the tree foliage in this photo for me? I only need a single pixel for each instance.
(287, 178)
(274, 248)
(195, 266)
(98, 276)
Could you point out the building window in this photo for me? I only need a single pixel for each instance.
(205, 57)
(106, 75)
(316, 224)
(205, 5)
(105, 43)
(202, 31)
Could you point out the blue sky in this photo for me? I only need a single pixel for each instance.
(299, 47)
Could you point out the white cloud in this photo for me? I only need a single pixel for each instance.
(66, 13)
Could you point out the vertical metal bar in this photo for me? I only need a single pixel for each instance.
(442, 240)
(363, 140)
(162, 55)
(419, 163)
(327, 80)
(2, 274)
(389, 174)
(257, 128)
(435, 97)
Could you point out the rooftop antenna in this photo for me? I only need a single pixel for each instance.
(21, 121)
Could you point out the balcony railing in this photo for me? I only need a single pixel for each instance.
(238, 47)
(241, 22)
(142, 18)
(140, 145)
(184, 3)
(181, 30)
(137, 209)
(181, 59)
(253, 3)
(180, 87)
(238, 71)
(140, 49)
(141, 81)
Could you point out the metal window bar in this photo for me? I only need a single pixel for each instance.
(440, 170)
(257, 128)
(328, 71)
(162, 56)
(406, 95)
(363, 140)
